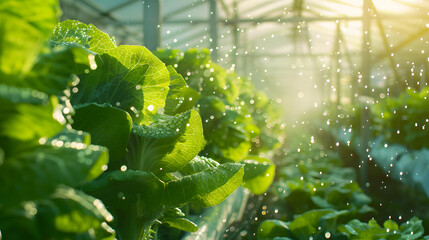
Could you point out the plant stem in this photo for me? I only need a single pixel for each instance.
(129, 224)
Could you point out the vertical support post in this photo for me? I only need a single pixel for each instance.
(316, 65)
(364, 91)
(337, 68)
(349, 60)
(386, 45)
(366, 45)
(152, 21)
(214, 30)
(235, 35)
(245, 58)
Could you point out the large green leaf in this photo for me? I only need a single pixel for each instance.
(120, 189)
(71, 32)
(70, 135)
(180, 98)
(175, 218)
(208, 187)
(66, 213)
(27, 116)
(306, 224)
(180, 223)
(52, 73)
(412, 229)
(164, 126)
(227, 137)
(213, 222)
(198, 164)
(108, 126)
(128, 77)
(168, 144)
(24, 26)
(258, 174)
(35, 173)
(270, 229)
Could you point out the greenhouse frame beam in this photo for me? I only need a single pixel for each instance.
(171, 14)
(152, 24)
(189, 39)
(349, 62)
(402, 44)
(364, 90)
(225, 8)
(101, 12)
(227, 21)
(337, 68)
(213, 23)
(236, 33)
(119, 6)
(287, 55)
(109, 15)
(386, 43)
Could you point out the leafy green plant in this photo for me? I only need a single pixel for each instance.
(152, 134)
(99, 141)
(43, 161)
(319, 182)
(237, 122)
(330, 224)
(403, 119)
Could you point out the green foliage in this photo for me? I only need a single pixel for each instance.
(320, 182)
(128, 77)
(176, 218)
(258, 174)
(108, 126)
(60, 96)
(215, 220)
(120, 189)
(181, 97)
(43, 159)
(27, 116)
(207, 188)
(165, 135)
(325, 224)
(404, 119)
(166, 145)
(24, 27)
(236, 120)
(75, 33)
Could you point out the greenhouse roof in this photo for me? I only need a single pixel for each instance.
(291, 43)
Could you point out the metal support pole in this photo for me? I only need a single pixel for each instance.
(316, 65)
(349, 60)
(214, 30)
(366, 45)
(337, 68)
(364, 91)
(386, 45)
(152, 20)
(235, 35)
(245, 59)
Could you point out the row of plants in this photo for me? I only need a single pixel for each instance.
(397, 133)
(100, 141)
(316, 197)
(398, 120)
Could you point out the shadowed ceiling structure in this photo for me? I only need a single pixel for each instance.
(308, 52)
